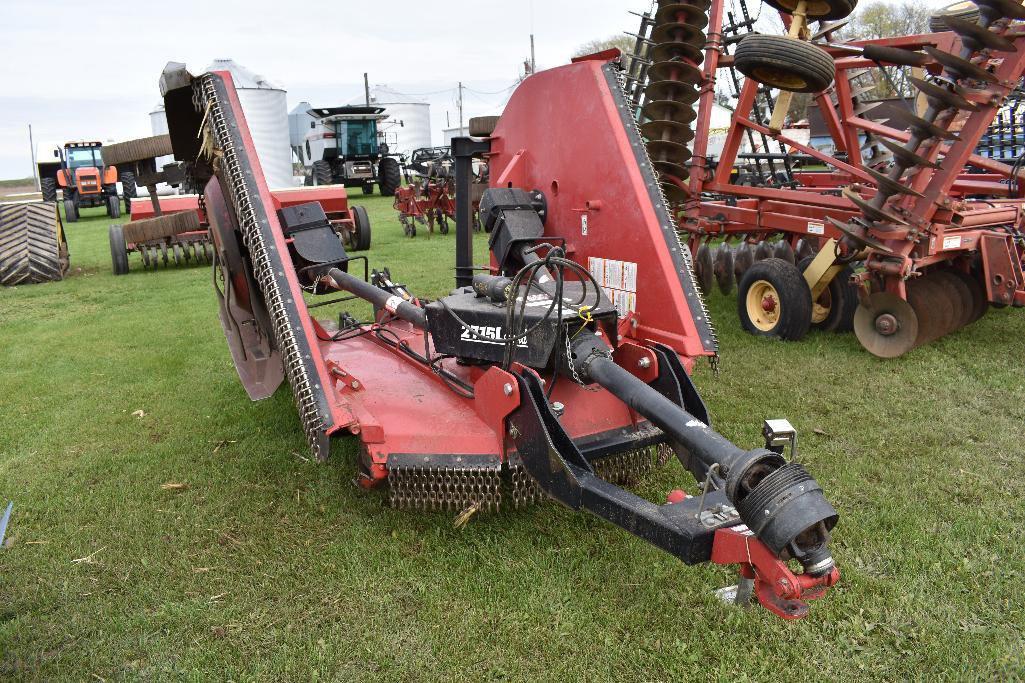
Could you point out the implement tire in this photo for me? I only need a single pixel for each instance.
(322, 173)
(785, 63)
(774, 301)
(30, 249)
(118, 250)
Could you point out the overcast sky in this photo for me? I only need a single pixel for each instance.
(55, 73)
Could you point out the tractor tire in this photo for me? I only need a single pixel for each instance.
(70, 211)
(30, 245)
(48, 187)
(118, 250)
(389, 176)
(774, 301)
(785, 63)
(483, 126)
(129, 190)
(368, 188)
(817, 10)
(113, 206)
(968, 11)
(835, 308)
(361, 238)
(322, 173)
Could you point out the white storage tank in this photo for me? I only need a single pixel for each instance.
(408, 125)
(158, 124)
(266, 110)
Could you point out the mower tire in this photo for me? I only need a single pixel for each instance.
(361, 238)
(774, 301)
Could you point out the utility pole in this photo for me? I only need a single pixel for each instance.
(460, 107)
(35, 169)
(533, 61)
(366, 87)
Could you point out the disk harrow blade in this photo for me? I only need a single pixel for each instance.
(926, 129)
(784, 251)
(978, 37)
(941, 97)
(886, 325)
(724, 268)
(743, 259)
(763, 251)
(704, 268)
(995, 9)
(907, 157)
(961, 68)
(890, 186)
(871, 212)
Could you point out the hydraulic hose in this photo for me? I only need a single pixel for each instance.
(380, 298)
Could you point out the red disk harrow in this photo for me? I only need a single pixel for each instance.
(559, 369)
(908, 234)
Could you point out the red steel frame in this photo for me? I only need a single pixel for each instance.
(945, 224)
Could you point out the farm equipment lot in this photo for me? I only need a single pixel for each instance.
(261, 564)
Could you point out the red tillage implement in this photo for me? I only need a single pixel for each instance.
(919, 234)
(562, 369)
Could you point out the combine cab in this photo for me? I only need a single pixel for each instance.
(343, 147)
(77, 168)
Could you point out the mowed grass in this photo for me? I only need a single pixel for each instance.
(266, 566)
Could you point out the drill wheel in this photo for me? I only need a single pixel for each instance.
(785, 63)
(886, 325)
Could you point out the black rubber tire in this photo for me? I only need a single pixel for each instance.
(840, 317)
(785, 63)
(31, 250)
(483, 126)
(322, 173)
(361, 240)
(113, 206)
(389, 176)
(129, 190)
(48, 186)
(817, 10)
(368, 188)
(968, 11)
(794, 319)
(70, 211)
(118, 250)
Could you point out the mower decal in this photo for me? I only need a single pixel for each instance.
(487, 334)
(952, 242)
(816, 228)
(618, 279)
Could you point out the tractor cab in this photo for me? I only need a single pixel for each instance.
(77, 169)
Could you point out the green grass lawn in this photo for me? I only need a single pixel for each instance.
(270, 567)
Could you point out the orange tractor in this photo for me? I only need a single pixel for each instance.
(77, 169)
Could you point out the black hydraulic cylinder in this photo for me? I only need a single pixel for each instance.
(379, 298)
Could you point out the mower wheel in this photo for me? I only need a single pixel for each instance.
(817, 10)
(322, 173)
(70, 211)
(48, 186)
(785, 63)
(118, 250)
(834, 310)
(361, 238)
(389, 176)
(774, 301)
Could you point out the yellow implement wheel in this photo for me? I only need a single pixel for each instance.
(763, 306)
(774, 301)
